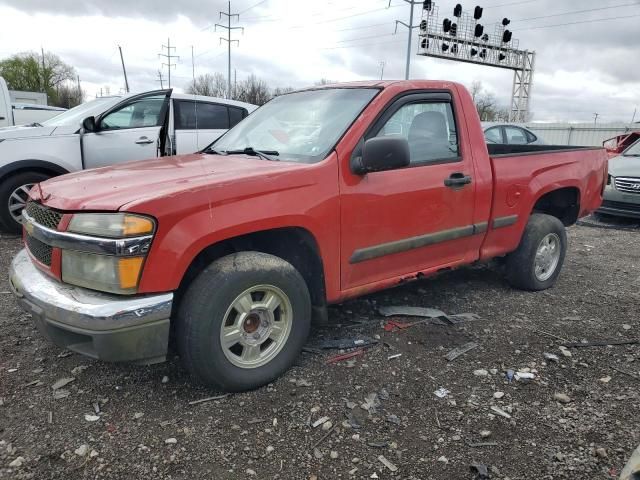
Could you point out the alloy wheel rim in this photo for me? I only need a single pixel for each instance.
(18, 200)
(547, 257)
(256, 326)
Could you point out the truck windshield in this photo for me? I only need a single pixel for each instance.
(300, 127)
(633, 150)
(76, 115)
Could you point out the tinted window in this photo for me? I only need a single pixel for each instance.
(235, 115)
(515, 136)
(530, 136)
(144, 112)
(209, 116)
(429, 128)
(493, 135)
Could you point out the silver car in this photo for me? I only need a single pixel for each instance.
(622, 194)
(510, 135)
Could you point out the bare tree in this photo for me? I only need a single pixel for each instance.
(253, 90)
(282, 90)
(210, 85)
(488, 108)
(69, 95)
(325, 81)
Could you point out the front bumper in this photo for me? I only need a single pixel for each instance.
(620, 204)
(100, 325)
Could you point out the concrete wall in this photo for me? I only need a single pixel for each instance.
(37, 98)
(579, 134)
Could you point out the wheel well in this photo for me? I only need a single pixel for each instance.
(293, 244)
(39, 167)
(563, 204)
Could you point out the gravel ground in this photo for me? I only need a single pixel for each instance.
(146, 427)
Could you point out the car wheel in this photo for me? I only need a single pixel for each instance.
(536, 263)
(14, 192)
(243, 321)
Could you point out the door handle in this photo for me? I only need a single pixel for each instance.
(143, 141)
(457, 180)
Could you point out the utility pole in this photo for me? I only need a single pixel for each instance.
(229, 28)
(634, 114)
(595, 118)
(160, 79)
(126, 82)
(169, 56)
(382, 64)
(44, 86)
(193, 68)
(410, 26)
(79, 90)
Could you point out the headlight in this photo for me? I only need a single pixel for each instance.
(102, 272)
(112, 225)
(114, 273)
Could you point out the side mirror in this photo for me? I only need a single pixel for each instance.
(89, 124)
(383, 153)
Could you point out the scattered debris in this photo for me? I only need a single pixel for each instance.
(82, 450)
(551, 335)
(461, 350)
(485, 433)
(344, 356)
(171, 441)
(138, 415)
(509, 374)
(606, 379)
(91, 418)
(406, 311)
(524, 376)
(65, 353)
(209, 399)
(17, 463)
(626, 326)
(562, 397)
(565, 352)
(482, 444)
(551, 356)
(387, 463)
(480, 470)
(165, 379)
(322, 438)
(481, 372)
(602, 343)
(319, 422)
(443, 459)
(631, 471)
(371, 402)
(344, 343)
(61, 393)
(62, 382)
(500, 412)
(79, 369)
(395, 355)
(624, 372)
(393, 419)
(498, 395)
(441, 392)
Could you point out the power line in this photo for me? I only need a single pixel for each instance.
(509, 4)
(229, 41)
(579, 22)
(169, 56)
(636, 4)
(252, 6)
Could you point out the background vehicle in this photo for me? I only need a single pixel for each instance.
(241, 245)
(21, 113)
(622, 195)
(105, 131)
(510, 135)
(618, 144)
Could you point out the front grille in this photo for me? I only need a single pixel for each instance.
(628, 206)
(39, 250)
(43, 215)
(628, 184)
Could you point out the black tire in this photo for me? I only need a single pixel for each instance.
(205, 303)
(520, 264)
(7, 187)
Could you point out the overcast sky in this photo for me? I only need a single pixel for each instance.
(581, 68)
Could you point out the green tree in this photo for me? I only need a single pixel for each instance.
(29, 71)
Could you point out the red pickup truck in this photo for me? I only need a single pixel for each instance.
(319, 196)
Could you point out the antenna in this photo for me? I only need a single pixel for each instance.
(229, 41)
(169, 56)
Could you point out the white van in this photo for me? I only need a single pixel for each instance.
(105, 131)
(22, 113)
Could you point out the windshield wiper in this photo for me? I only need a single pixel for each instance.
(265, 154)
(213, 151)
(34, 124)
(631, 155)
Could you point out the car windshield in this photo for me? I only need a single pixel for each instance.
(301, 126)
(76, 115)
(633, 150)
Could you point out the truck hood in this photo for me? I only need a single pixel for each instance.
(111, 188)
(7, 133)
(624, 166)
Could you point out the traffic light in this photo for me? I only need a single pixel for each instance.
(505, 22)
(501, 57)
(477, 13)
(485, 38)
(457, 10)
(474, 52)
(424, 43)
(506, 36)
(454, 49)
(454, 29)
(483, 53)
(427, 5)
(478, 31)
(445, 47)
(423, 25)
(446, 25)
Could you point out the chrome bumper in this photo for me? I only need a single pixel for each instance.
(99, 325)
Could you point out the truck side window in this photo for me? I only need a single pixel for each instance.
(515, 136)
(210, 116)
(144, 112)
(430, 129)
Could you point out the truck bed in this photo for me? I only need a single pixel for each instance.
(496, 149)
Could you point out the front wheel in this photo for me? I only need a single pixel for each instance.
(536, 263)
(243, 321)
(14, 192)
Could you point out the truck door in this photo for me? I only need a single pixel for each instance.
(412, 219)
(129, 131)
(6, 114)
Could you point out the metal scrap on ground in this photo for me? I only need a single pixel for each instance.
(344, 356)
(461, 350)
(631, 470)
(343, 343)
(603, 343)
(437, 317)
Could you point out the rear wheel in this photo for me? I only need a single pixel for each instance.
(14, 192)
(536, 263)
(243, 321)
